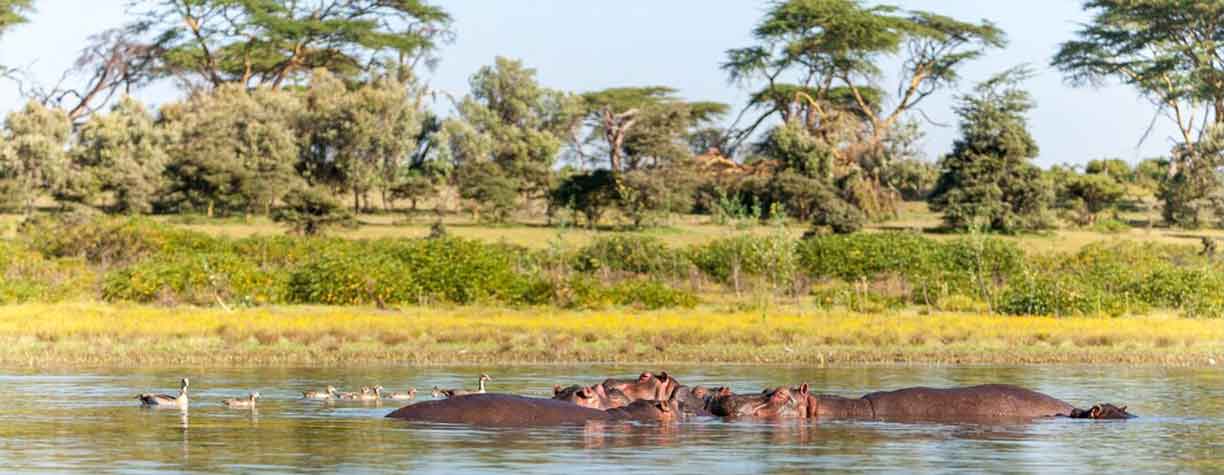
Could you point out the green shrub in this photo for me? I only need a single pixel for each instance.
(771, 257)
(112, 241)
(457, 270)
(199, 279)
(353, 279)
(630, 254)
(650, 294)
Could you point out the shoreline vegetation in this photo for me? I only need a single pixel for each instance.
(98, 334)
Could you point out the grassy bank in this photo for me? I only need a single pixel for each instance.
(122, 335)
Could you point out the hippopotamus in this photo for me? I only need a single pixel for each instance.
(973, 402)
(594, 397)
(502, 410)
(646, 386)
(777, 403)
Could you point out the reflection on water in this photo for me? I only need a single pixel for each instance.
(90, 421)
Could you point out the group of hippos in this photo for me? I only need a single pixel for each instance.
(659, 397)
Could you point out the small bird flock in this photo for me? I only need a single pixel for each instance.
(330, 393)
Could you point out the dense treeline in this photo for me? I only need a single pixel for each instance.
(138, 260)
(309, 113)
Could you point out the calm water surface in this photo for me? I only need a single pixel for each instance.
(89, 421)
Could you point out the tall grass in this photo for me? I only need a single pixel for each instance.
(100, 334)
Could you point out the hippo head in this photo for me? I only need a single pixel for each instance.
(664, 406)
(1102, 411)
(594, 397)
(648, 386)
(770, 404)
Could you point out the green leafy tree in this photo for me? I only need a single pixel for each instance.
(516, 123)
(638, 127)
(361, 139)
(1089, 195)
(1167, 50)
(231, 150)
(122, 154)
(311, 210)
(274, 42)
(838, 48)
(649, 193)
(493, 193)
(591, 194)
(33, 157)
(12, 13)
(988, 178)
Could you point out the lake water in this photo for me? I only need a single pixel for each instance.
(89, 421)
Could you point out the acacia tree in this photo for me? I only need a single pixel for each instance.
(1168, 51)
(821, 65)
(834, 49)
(121, 153)
(988, 179)
(231, 150)
(643, 126)
(272, 42)
(32, 154)
(13, 12)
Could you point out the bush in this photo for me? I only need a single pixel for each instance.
(111, 241)
(310, 211)
(458, 270)
(198, 279)
(725, 260)
(650, 295)
(353, 279)
(630, 254)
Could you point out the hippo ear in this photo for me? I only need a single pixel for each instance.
(803, 389)
(1095, 412)
(556, 389)
(663, 376)
(584, 393)
(645, 377)
(724, 391)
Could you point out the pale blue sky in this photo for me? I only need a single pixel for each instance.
(584, 45)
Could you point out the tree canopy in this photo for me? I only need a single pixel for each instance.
(271, 42)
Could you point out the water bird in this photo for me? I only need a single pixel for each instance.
(150, 399)
(403, 396)
(330, 393)
(242, 403)
(450, 393)
(374, 394)
(354, 396)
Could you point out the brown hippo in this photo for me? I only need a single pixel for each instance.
(974, 402)
(647, 385)
(779, 403)
(492, 410)
(594, 397)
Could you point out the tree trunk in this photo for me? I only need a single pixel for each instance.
(211, 205)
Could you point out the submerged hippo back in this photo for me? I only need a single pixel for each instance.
(499, 410)
(986, 401)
